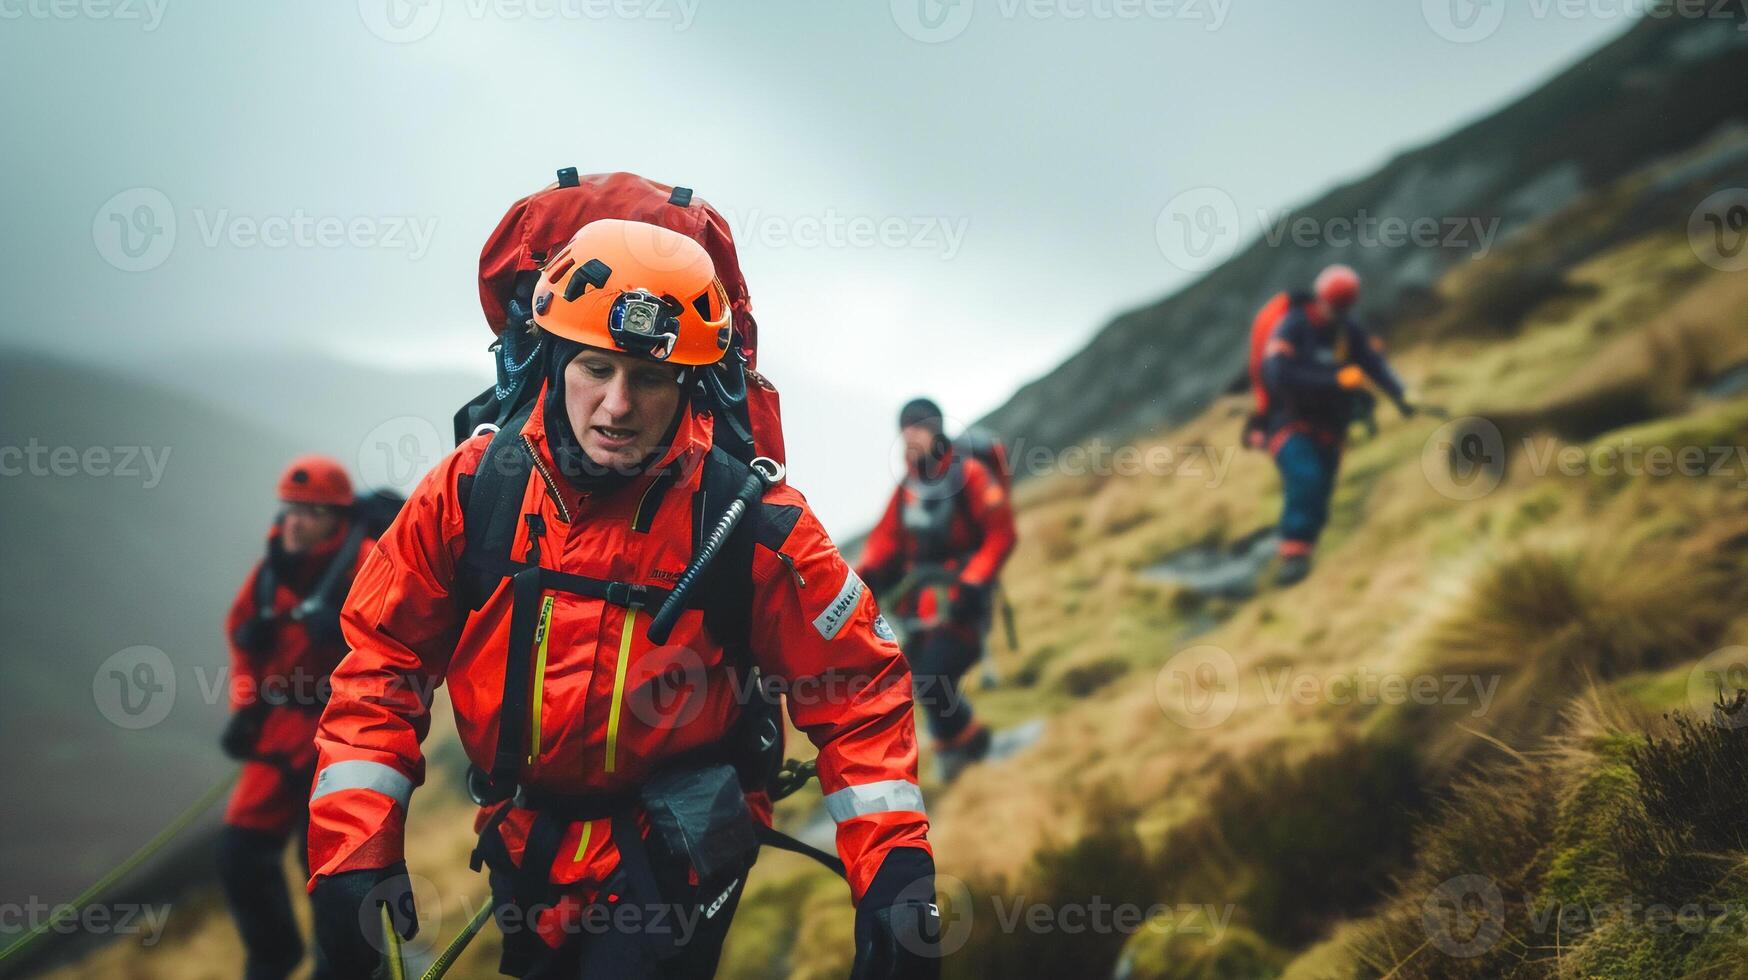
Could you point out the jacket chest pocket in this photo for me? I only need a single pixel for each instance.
(563, 661)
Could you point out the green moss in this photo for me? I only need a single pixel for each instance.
(1583, 868)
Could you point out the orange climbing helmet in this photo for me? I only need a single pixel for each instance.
(637, 288)
(315, 480)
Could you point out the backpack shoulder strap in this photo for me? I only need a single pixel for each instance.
(729, 596)
(328, 591)
(266, 584)
(491, 510)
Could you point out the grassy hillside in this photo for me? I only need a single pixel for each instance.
(1278, 825)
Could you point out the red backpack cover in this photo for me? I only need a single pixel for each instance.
(538, 225)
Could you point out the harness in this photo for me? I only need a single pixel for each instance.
(492, 512)
(926, 518)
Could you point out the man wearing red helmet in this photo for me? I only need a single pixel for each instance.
(616, 821)
(1314, 361)
(284, 630)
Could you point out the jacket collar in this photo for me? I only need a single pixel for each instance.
(685, 454)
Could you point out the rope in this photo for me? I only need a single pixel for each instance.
(446, 959)
(122, 870)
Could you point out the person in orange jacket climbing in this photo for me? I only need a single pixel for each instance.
(284, 630)
(1311, 361)
(611, 760)
(948, 529)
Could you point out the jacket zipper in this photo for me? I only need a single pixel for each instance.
(625, 635)
(800, 582)
(564, 513)
(541, 633)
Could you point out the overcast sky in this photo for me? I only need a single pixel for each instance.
(943, 198)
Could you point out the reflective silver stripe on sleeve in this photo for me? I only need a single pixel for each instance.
(843, 605)
(363, 774)
(884, 796)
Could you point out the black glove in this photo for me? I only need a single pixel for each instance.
(971, 604)
(898, 927)
(243, 731)
(349, 939)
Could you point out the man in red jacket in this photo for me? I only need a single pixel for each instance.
(590, 742)
(284, 630)
(948, 529)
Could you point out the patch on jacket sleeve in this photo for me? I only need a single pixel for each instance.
(838, 612)
(883, 629)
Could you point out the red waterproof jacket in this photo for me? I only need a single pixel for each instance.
(813, 629)
(290, 675)
(962, 521)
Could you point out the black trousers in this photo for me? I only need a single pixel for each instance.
(941, 659)
(250, 871)
(618, 940)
